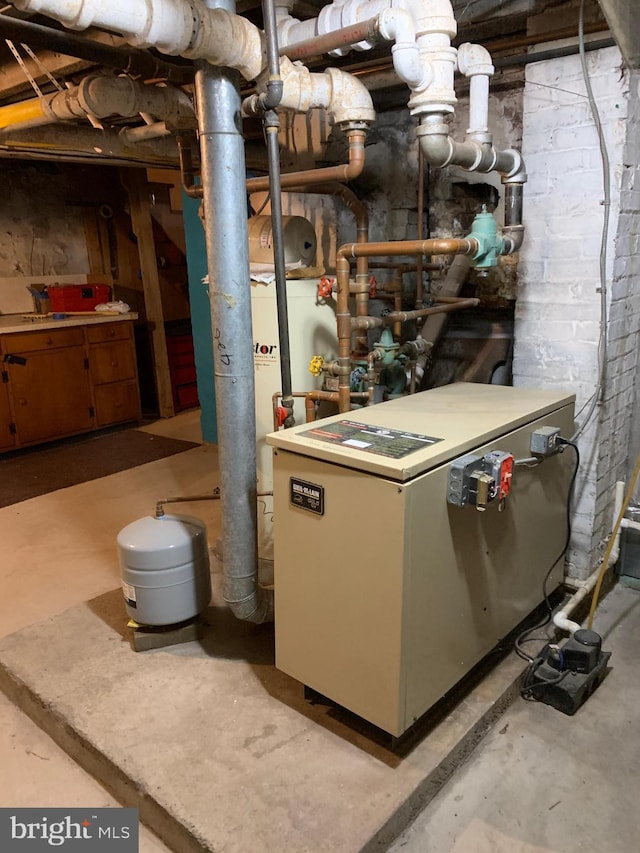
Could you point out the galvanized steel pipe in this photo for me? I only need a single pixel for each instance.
(223, 179)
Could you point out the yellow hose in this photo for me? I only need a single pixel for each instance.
(612, 540)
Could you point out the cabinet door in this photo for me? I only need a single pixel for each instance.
(7, 438)
(112, 362)
(117, 403)
(51, 394)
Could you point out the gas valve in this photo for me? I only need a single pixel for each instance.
(315, 365)
(479, 480)
(325, 288)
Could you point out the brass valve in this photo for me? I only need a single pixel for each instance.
(316, 364)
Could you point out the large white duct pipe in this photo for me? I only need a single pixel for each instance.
(177, 27)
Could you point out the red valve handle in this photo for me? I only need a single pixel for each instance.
(325, 288)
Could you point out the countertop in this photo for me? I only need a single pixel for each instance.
(17, 322)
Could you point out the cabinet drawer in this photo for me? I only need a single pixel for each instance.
(116, 403)
(112, 362)
(52, 339)
(186, 396)
(108, 332)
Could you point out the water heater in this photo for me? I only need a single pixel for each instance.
(300, 241)
(312, 331)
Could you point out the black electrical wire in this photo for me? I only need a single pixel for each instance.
(524, 636)
(529, 686)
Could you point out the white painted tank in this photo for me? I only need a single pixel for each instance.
(165, 569)
(312, 331)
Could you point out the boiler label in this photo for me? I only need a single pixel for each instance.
(393, 443)
(306, 495)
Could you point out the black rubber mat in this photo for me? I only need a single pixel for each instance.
(29, 473)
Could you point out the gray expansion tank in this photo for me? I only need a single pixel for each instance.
(165, 569)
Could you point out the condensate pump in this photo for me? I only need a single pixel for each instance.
(165, 569)
(565, 676)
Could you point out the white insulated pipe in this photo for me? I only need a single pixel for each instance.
(164, 23)
(474, 61)
(176, 27)
(397, 25)
(345, 98)
(561, 618)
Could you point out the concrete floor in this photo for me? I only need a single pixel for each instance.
(538, 782)
(47, 566)
(541, 781)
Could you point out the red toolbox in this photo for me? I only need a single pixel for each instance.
(78, 297)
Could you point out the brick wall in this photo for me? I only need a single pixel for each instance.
(558, 301)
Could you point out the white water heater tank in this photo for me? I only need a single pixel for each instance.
(165, 569)
(300, 241)
(312, 331)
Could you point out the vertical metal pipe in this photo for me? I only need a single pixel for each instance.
(513, 204)
(272, 124)
(224, 199)
(420, 228)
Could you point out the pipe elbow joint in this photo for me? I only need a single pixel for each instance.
(562, 621)
(436, 145)
(513, 236)
(473, 60)
(511, 166)
(257, 607)
(350, 100)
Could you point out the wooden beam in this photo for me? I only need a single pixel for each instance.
(13, 80)
(135, 181)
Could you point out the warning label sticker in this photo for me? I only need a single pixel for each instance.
(371, 439)
(129, 594)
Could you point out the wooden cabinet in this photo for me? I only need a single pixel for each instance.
(113, 373)
(51, 394)
(67, 381)
(7, 428)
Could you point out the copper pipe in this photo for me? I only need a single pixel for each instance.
(316, 46)
(390, 265)
(344, 172)
(465, 246)
(274, 405)
(309, 409)
(312, 397)
(187, 174)
(435, 246)
(362, 236)
(404, 316)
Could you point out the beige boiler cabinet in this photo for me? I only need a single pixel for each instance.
(387, 594)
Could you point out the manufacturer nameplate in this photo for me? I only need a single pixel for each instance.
(306, 495)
